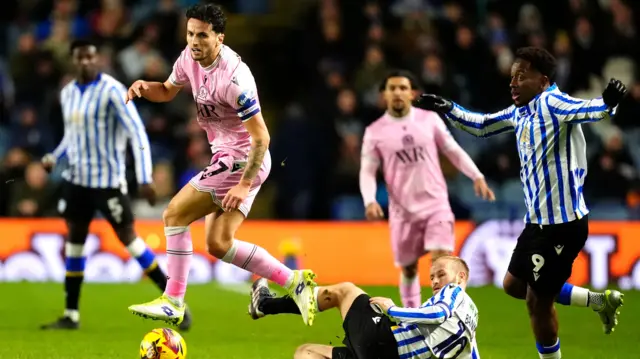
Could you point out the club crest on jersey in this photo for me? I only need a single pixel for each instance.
(407, 140)
(203, 93)
(245, 98)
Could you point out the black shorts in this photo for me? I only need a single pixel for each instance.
(79, 204)
(544, 255)
(368, 334)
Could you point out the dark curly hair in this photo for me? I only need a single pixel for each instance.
(76, 44)
(209, 13)
(399, 73)
(540, 59)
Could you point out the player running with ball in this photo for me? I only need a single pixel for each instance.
(229, 111)
(406, 141)
(375, 328)
(553, 166)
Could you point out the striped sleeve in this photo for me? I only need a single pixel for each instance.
(61, 150)
(480, 124)
(573, 110)
(445, 302)
(129, 118)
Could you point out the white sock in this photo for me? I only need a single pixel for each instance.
(579, 297)
(72, 314)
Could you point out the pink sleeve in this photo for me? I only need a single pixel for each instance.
(369, 163)
(178, 76)
(458, 157)
(242, 93)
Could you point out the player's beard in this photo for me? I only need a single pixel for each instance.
(398, 110)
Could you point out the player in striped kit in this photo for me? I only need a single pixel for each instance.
(97, 126)
(443, 327)
(553, 167)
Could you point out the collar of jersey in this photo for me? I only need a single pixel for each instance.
(215, 61)
(530, 108)
(83, 87)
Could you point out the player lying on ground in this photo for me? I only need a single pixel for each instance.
(97, 126)
(407, 141)
(229, 111)
(443, 327)
(553, 166)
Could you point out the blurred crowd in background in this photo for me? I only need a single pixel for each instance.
(318, 65)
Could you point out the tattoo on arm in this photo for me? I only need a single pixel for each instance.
(256, 156)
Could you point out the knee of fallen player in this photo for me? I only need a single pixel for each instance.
(305, 351)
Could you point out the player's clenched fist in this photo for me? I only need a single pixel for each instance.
(374, 211)
(136, 90)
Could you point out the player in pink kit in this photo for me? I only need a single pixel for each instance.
(407, 140)
(229, 111)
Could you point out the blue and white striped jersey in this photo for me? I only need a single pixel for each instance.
(443, 327)
(97, 125)
(552, 149)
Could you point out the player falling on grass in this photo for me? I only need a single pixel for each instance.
(97, 126)
(229, 111)
(553, 166)
(442, 327)
(407, 141)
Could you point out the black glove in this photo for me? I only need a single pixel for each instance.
(614, 93)
(434, 103)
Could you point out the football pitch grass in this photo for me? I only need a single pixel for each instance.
(223, 330)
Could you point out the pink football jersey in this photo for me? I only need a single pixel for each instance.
(226, 95)
(408, 150)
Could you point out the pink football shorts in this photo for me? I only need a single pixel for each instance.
(410, 240)
(224, 172)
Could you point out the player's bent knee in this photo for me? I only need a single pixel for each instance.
(346, 288)
(218, 244)
(312, 351)
(514, 286)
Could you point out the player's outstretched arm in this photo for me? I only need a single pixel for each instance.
(477, 124)
(369, 164)
(153, 91)
(461, 159)
(574, 110)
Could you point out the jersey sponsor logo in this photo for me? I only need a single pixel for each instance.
(411, 155)
(245, 97)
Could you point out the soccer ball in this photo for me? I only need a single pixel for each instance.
(163, 343)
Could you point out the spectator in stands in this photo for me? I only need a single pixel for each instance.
(32, 196)
(611, 171)
(31, 134)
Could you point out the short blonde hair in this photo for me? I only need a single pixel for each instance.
(459, 262)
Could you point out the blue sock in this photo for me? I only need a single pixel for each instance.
(147, 260)
(549, 352)
(577, 296)
(75, 262)
(145, 257)
(564, 297)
